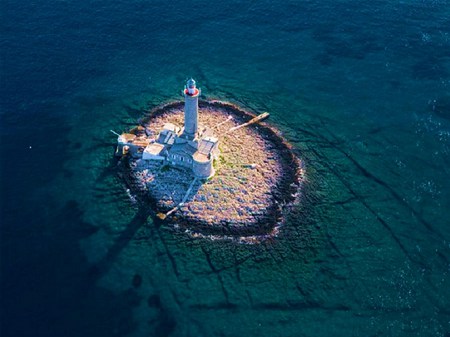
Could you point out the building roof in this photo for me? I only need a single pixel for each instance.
(200, 157)
(206, 145)
(185, 149)
(166, 137)
(154, 149)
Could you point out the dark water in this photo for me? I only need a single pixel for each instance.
(360, 88)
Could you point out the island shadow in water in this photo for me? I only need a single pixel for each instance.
(57, 273)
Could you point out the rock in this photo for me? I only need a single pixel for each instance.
(154, 301)
(137, 280)
(229, 202)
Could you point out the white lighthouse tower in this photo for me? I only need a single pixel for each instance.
(191, 149)
(191, 94)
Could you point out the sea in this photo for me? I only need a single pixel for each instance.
(360, 89)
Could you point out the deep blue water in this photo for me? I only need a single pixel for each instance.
(360, 88)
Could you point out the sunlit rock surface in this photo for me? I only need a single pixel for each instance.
(258, 176)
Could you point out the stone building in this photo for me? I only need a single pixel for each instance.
(191, 146)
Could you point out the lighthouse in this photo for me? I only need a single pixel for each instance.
(191, 94)
(190, 149)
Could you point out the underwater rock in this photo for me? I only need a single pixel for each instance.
(137, 280)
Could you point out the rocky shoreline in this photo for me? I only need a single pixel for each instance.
(258, 176)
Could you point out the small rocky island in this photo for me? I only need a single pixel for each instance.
(211, 168)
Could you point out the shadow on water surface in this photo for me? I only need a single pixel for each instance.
(40, 295)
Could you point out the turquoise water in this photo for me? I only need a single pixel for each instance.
(360, 89)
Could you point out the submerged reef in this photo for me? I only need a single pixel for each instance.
(258, 177)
